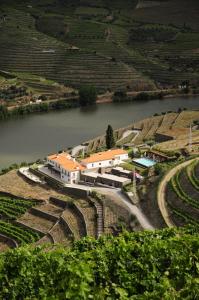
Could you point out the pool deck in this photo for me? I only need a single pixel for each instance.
(145, 162)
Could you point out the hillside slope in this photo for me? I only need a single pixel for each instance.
(109, 44)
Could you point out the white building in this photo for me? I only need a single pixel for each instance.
(66, 166)
(105, 159)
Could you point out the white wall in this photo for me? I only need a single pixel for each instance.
(70, 177)
(66, 176)
(107, 163)
(55, 165)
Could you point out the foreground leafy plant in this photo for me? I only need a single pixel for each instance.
(146, 265)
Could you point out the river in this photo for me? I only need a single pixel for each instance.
(35, 136)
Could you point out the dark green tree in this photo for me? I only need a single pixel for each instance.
(110, 140)
(3, 112)
(120, 96)
(87, 95)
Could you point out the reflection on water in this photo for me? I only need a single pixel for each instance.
(34, 136)
(89, 109)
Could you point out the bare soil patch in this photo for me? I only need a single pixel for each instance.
(15, 184)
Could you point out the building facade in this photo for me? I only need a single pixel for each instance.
(105, 159)
(66, 166)
(69, 170)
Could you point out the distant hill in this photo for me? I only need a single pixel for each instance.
(130, 44)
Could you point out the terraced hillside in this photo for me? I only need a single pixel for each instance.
(174, 124)
(53, 217)
(11, 233)
(30, 51)
(108, 44)
(182, 196)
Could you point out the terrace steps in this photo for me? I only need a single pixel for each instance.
(100, 217)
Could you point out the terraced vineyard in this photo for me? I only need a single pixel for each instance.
(182, 195)
(12, 208)
(30, 51)
(53, 221)
(53, 216)
(11, 232)
(76, 43)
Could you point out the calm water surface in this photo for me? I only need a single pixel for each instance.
(35, 136)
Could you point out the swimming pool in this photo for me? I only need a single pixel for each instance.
(145, 162)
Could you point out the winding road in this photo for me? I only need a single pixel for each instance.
(120, 197)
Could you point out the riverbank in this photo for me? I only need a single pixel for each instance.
(29, 138)
(73, 102)
(131, 96)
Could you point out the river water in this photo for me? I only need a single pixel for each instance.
(35, 136)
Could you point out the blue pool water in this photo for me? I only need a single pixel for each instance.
(145, 162)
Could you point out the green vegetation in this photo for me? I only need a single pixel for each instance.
(175, 184)
(3, 112)
(13, 208)
(95, 43)
(34, 108)
(192, 176)
(110, 139)
(120, 96)
(12, 92)
(106, 44)
(153, 32)
(182, 197)
(22, 236)
(87, 95)
(146, 265)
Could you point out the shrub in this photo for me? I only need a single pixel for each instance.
(87, 95)
(145, 265)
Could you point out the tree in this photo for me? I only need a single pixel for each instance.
(110, 140)
(87, 95)
(3, 112)
(120, 96)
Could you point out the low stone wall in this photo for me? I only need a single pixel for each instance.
(81, 215)
(21, 198)
(5, 239)
(70, 232)
(58, 202)
(49, 235)
(30, 228)
(77, 192)
(43, 214)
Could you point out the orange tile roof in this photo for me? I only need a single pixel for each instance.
(106, 155)
(66, 162)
